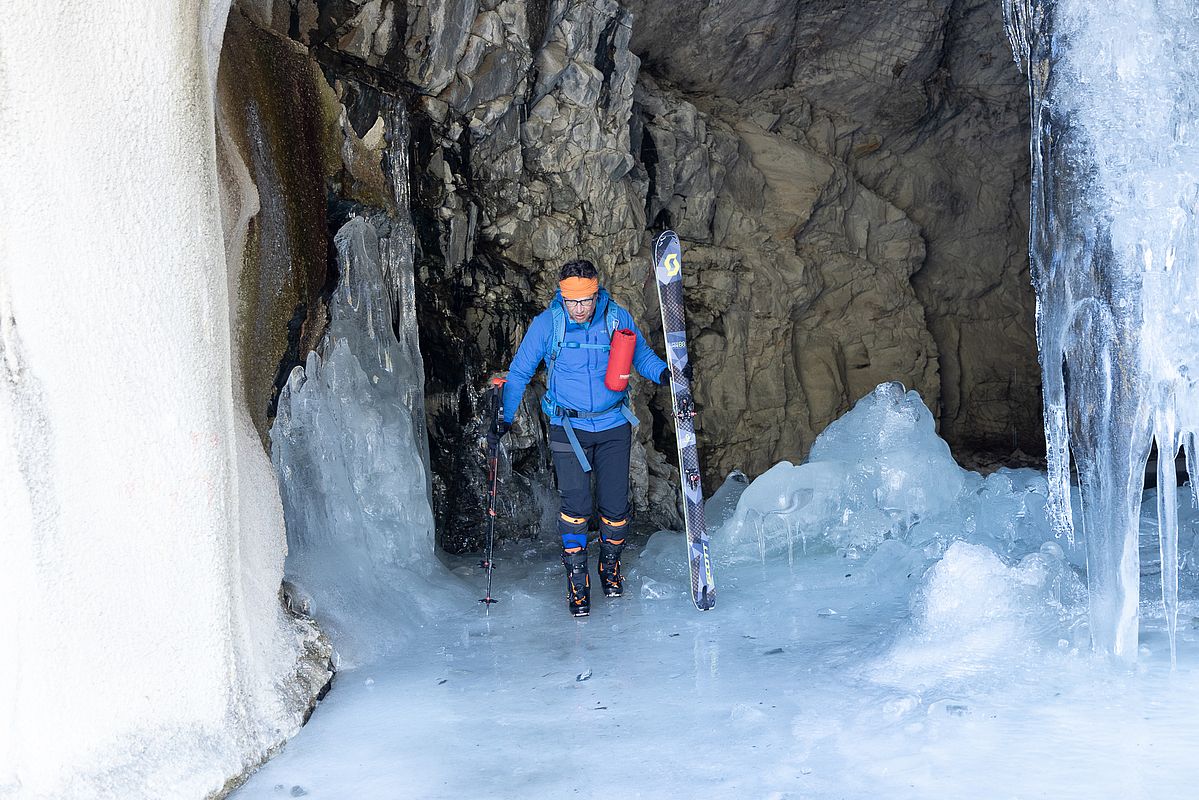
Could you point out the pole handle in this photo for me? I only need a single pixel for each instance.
(497, 402)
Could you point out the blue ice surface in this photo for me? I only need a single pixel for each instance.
(877, 635)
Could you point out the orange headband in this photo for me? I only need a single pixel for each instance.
(578, 288)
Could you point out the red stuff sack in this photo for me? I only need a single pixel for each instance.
(620, 360)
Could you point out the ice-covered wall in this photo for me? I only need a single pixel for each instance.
(145, 653)
(1115, 160)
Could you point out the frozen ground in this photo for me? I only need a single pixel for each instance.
(888, 626)
(770, 695)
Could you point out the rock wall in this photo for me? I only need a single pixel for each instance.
(849, 184)
(278, 126)
(901, 126)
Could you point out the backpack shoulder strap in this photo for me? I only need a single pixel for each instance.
(558, 317)
(612, 317)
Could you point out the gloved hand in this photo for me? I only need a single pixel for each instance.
(496, 433)
(688, 373)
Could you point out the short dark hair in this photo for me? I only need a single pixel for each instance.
(579, 268)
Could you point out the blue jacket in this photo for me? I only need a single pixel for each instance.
(578, 380)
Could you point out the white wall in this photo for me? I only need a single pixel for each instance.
(142, 649)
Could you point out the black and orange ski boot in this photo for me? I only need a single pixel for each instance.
(578, 583)
(612, 533)
(609, 568)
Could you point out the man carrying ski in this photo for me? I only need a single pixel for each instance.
(590, 424)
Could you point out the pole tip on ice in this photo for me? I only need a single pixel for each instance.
(487, 601)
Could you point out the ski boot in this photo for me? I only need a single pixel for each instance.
(609, 568)
(612, 533)
(578, 583)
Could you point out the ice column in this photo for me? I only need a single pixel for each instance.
(1115, 181)
(349, 448)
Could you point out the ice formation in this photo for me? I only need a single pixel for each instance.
(349, 443)
(350, 446)
(1115, 183)
(881, 490)
(881, 473)
(145, 653)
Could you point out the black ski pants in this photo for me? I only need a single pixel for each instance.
(608, 452)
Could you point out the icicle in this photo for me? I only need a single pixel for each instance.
(1113, 258)
(399, 266)
(1188, 446)
(1167, 523)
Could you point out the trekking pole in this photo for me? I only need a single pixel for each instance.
(493, 452)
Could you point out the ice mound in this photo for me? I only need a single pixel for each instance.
(872, 475)
(881, 473)
(973, 610)
(881, 488)
(971, 591)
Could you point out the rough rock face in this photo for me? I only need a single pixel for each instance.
(849, 184)
(918, 109)
(801, 294)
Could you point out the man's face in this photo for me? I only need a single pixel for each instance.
(581, 310)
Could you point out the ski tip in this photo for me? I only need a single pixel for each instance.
(706, 600)
(662, 241)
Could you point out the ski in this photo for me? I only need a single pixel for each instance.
(668, 266)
